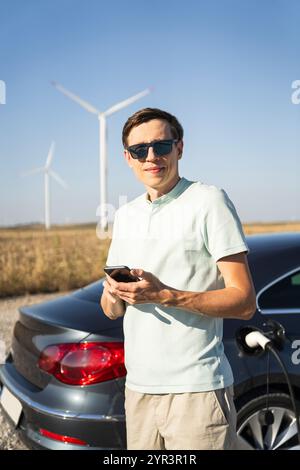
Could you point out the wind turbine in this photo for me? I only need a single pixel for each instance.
(47, 173)
(102, 139)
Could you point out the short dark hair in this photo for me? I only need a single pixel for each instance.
(147, 114)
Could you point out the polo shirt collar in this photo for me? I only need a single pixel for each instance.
(180, 186)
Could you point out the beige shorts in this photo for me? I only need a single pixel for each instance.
(181, 421)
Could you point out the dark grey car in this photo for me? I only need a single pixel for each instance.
(62, 385)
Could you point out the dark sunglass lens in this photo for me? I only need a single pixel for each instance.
(139, 152)
(162, 148)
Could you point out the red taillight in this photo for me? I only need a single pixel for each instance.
(61, 438)
(84, 363)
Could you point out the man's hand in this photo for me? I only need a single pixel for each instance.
(112, 306)
(108, 289)
(147, 290)
(236, 300)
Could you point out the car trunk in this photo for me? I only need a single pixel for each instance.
(67, 319)
(31, 336)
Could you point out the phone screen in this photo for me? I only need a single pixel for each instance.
(120, 273)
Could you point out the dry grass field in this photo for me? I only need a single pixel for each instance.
(33, 260)
(260, 227)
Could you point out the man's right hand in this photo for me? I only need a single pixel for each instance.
(112, 305)
(107, 287)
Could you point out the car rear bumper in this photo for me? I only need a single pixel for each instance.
(99, 431)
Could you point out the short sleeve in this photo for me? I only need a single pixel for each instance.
(113, 256)
(223, 232)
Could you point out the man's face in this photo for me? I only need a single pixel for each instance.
(162, 180)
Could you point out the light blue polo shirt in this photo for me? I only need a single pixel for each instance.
(179, 237)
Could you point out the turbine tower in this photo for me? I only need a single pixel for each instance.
(48, 172)
(102, 115)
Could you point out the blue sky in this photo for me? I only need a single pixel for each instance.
(223, 67)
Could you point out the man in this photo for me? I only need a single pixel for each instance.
(185, 243)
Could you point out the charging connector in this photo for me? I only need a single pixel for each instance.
(253, 342)
(256, 338)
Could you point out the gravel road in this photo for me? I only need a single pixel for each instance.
(8, 315)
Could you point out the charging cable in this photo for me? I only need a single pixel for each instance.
(251, 341)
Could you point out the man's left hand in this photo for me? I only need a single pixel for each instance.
(147, 290)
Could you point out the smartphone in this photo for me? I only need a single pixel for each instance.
(120, 273)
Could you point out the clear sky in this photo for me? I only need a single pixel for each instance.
(223, 67)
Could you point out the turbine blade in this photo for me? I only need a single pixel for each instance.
(50, 155)
(127, 102)
(31, 172)
(58, 179)
(76, 98)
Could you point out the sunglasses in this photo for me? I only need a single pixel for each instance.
(160, 148)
